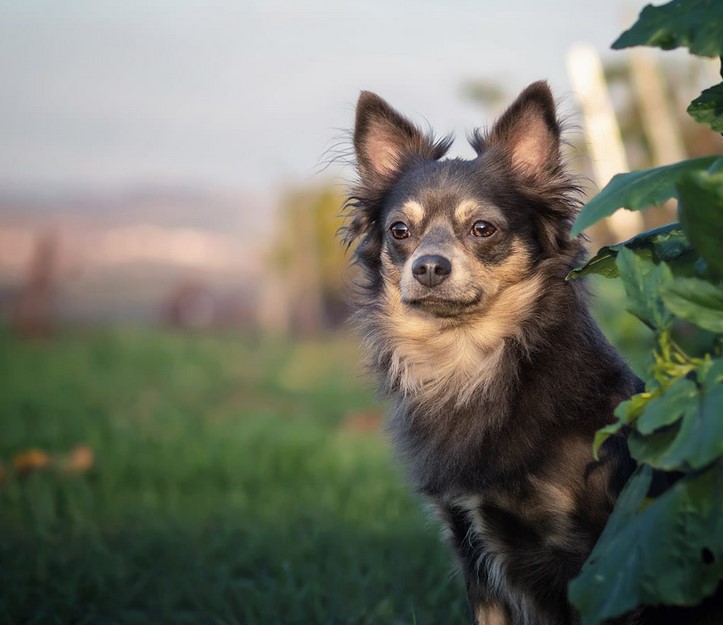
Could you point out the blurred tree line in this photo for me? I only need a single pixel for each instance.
(313, 265)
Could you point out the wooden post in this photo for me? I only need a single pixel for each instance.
(602, 131)
(659, 122)
(33, 314)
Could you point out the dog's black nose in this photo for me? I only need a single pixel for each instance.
(431, 269)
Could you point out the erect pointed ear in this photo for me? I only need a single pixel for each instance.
(384, 141)
(528, 132)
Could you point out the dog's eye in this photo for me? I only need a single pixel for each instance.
(399, 230)
(483, 229)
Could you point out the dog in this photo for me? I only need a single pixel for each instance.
(497, 374)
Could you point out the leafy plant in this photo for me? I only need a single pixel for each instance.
(667, 548)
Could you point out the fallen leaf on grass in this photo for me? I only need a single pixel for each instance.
(30, 460)
(363, 421)
(79, 460)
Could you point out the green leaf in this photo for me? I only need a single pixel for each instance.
(707, 108)
(701, 214)
(643, 281)
(601, 591)
(714, 374)
(665, 409)
(629, 411)
(695, 24)
(653, 449)
(696, 301)
(603, 264)
(637, 190)
(666, 243)
(656, 553)
(694, 442)
(603, 434)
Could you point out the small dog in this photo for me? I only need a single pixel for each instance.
(498, 376)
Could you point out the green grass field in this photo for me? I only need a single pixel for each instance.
(234, 481)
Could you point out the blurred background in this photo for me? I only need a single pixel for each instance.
(186, 433)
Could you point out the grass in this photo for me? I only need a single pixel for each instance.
(234, 481)
(230, 485)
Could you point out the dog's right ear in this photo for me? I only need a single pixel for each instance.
(385, 141)
(528, 133)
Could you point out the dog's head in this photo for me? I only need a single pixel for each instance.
(451, 235)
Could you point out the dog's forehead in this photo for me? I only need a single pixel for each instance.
(430, 204)
(449, 189)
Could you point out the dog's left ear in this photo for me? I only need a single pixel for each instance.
(528, 132)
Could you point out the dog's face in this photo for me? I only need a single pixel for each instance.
(452, 235)
(446, 244)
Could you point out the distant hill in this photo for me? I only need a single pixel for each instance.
(142, 254)
(165, 206)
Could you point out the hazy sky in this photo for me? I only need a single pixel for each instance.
(248, 94)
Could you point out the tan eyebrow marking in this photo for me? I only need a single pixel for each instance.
(465, 209)
(413, 210)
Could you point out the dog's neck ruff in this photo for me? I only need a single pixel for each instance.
(433, 362)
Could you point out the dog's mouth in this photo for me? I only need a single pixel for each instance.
(444, 307)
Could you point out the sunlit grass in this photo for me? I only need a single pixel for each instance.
(230, 486)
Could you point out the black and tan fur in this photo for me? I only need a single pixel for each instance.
(498, 376)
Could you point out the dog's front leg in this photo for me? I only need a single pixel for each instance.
(485, 609)
(489, 614)
(460, 534)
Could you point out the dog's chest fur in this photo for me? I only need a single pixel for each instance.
(508, 465)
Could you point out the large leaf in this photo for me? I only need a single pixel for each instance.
(603, 434)
(601, 591)
(637, 190)
(697, 301)
(694, 442)
(643, 281)
(669, 551)
(707, 108)
(701, 213)
(666, 243)
(695, 24)
(627, 412)
(665, 409)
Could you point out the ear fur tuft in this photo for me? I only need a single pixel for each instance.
(526, 141)
(385, 140)
(527, 132)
